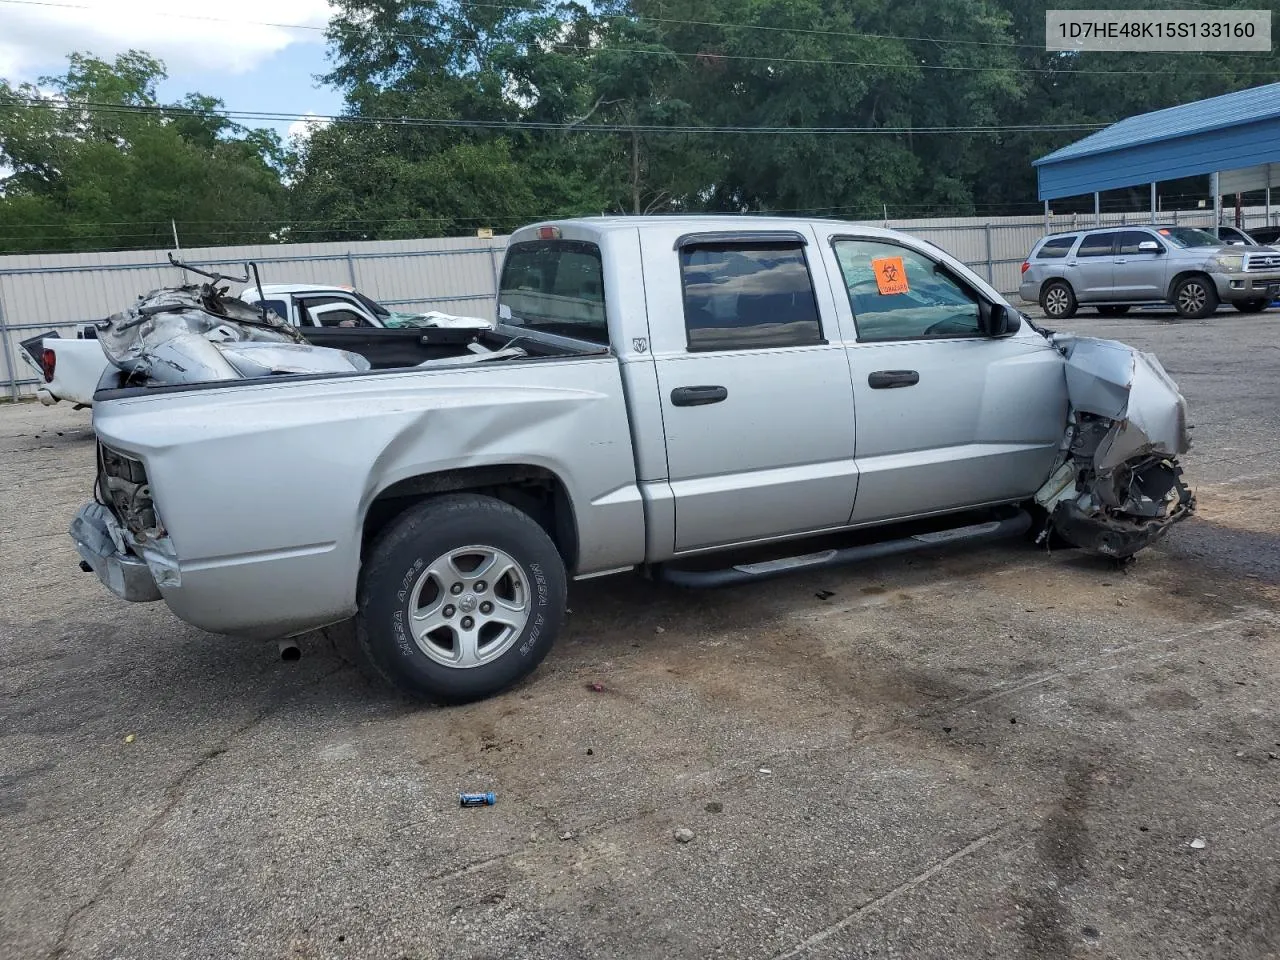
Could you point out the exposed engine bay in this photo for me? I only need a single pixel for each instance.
(1117, 486)
(197, 333)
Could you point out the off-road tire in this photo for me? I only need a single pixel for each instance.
(408, 547)
(1195, 297)
(1113, 311)
(1058, 300)
(1251, 306)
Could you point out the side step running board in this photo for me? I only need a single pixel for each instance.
(742, 573)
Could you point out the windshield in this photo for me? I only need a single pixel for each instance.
(556, 286)
(1189, 237)
(377, 309)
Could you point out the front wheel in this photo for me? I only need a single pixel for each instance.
(1195, 298)
(1250, 306)
(1057, 300)
(460, 598)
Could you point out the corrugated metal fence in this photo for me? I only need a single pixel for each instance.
(456, 275)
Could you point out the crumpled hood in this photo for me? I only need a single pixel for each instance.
(192, 335)
(1116, 381)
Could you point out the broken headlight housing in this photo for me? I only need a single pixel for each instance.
(123, 487)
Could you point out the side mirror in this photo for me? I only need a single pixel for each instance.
(1002, 321)
(1150, 246)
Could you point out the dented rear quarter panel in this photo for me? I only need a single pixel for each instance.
(256, 483)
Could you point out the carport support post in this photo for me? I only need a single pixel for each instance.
(1097, 210)
(1268, 204)
(1046, 216)
(1217, 200)
(990, 279)
(1153, 202)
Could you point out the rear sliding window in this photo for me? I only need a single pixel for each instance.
(278, 308)
(1055, 248)
(555, 286)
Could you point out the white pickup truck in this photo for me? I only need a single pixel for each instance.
(71, 368)
(316, 305)
(659, 394)
(68, 368)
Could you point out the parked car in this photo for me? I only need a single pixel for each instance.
(1266, 235)
(1232, 236)
(658, 394)
(1114, 269)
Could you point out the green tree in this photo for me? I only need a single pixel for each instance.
(95, 161)
(374, 176)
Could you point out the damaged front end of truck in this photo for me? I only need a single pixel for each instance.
(1117, 486)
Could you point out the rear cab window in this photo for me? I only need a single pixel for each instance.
(748, 295)
(1055, 248)
(279, 308)
(556, 287)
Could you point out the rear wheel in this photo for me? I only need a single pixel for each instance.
(1058, 300)
(1113, 311)
(1195, 297)
(460, 598)
(1250, 306)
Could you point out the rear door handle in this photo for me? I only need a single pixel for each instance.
(697, 396)
(889, 379)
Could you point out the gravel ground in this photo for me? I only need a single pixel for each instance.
(972, 753)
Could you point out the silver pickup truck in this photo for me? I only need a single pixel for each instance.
(675, 395)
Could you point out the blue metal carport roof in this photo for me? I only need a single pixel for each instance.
(1222, 133)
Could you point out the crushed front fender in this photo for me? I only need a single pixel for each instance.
(1117, 486)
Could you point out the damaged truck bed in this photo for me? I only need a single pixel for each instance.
(661, 394)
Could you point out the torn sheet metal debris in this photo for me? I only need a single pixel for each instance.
(197, 334)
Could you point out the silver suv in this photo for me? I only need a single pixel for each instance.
(1115, 269)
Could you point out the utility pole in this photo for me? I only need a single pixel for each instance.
(177, 247)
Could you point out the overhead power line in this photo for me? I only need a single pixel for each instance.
(95, 106)
(696, 55)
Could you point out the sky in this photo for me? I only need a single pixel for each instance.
(230, 53)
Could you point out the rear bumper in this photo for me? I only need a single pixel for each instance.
(99, 542)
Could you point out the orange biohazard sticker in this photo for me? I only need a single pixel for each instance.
(891, 275)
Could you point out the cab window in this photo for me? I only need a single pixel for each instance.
(748, 296)
(1096, 245)
(1055, 248)
(1127, 244)
(897, 293)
